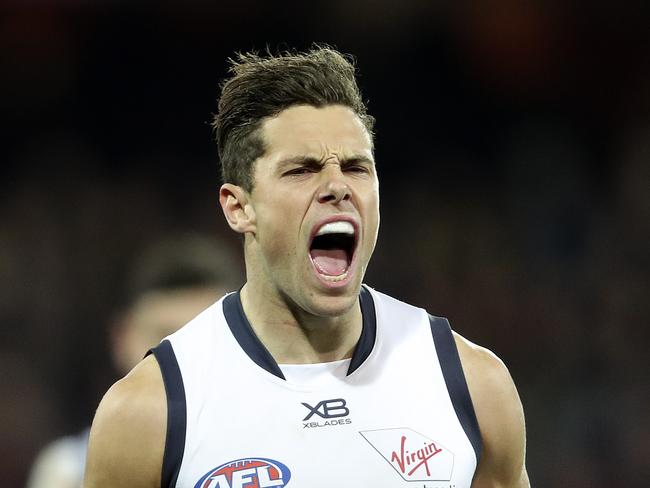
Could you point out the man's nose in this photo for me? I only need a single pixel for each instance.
(334, 188)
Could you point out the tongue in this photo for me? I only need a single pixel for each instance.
(331, 262)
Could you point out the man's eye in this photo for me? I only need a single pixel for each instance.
(357, 169)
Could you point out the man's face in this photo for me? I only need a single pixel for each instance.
(316, 205)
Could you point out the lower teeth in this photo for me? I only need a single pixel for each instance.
(335, 278)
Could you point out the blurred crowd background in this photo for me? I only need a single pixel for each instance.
(513, 146)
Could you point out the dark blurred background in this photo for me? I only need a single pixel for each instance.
(513, 145)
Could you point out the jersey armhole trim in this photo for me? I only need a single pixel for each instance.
(176, 413)
(452, 371)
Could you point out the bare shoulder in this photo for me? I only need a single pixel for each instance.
(485, 373)
(500, 417)
(127, 438)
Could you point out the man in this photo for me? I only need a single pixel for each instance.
(306, 377)
(169, 283)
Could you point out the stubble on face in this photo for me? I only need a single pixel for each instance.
(318, 166)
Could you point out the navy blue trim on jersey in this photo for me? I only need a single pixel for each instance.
(245, 335)
(368, 332)
(176, 413)
(452, 371)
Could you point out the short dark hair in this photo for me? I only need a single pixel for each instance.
(263, 86)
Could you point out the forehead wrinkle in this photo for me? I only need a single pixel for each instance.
(319, 129)
(342, 154)
(307, 160)
(323, 155)
(330, 156)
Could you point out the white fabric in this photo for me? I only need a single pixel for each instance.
(399, 410)
(313, 374)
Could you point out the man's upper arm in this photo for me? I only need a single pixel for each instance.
(500, 417)
(127, 438)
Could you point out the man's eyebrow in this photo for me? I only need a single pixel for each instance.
(357, 159)
(312, 161)
(299, 161)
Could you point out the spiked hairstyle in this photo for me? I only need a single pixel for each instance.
(263, 86)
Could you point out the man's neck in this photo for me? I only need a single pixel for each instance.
(293, 336)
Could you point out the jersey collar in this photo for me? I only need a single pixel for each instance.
(251, 344)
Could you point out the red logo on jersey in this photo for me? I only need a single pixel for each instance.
(414, 456)
(248, 473)
(412, 461)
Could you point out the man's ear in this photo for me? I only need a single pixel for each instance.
(237, 208)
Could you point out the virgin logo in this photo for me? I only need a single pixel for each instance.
(412, 461)
(414, 456)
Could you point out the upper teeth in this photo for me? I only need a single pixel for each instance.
(340, 227)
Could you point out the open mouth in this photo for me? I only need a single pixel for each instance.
(332, 249)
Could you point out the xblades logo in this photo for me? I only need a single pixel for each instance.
(330, 409)
(327, 409)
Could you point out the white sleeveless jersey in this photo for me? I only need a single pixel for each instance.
(401, 417)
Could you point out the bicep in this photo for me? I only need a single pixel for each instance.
(127, 437)
(501, 421)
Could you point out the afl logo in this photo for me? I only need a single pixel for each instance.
(247, 473)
